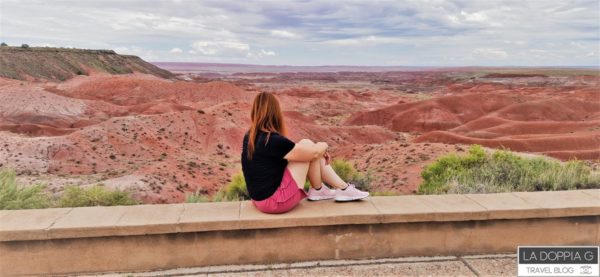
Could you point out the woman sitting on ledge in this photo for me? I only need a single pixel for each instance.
(275, 168)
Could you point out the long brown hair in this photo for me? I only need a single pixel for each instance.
(266, 116)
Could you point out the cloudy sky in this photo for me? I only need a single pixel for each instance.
(329, 32)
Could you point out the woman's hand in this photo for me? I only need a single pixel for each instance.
(327, 157)
(306, 151)
(322, 147)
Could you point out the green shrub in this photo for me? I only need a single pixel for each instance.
(196, 197)
(503, 171)
(343, 169)
(75, 196)
(234, 191)
(14, 196)
(348, 173)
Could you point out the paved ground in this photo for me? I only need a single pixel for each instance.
(481, 265)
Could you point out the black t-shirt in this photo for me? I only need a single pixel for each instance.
(264, 172)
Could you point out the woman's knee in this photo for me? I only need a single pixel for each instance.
(306, 141)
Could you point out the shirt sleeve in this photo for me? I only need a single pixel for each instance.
(278, 146)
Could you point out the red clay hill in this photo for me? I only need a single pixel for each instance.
(164, 135)
(563, 122)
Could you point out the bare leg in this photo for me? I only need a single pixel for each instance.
(314, 173)
(329, 175)
(299, 171)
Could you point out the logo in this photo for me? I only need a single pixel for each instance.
(558, 260)
(586, 269)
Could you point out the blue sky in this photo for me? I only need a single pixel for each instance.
(415, 33)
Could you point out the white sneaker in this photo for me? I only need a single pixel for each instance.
(351, 193)
(321, 194)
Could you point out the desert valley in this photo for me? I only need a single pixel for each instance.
(164, 130)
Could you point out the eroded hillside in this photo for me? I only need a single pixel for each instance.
(59, 64)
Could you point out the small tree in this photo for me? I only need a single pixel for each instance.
(3, 44)
(24, 45)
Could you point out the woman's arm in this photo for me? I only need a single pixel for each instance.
(305, 151)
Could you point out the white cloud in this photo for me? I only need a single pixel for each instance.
(490, 53)
(591, 54)
(264, 52)
(137, 51)
(454, 18)
(516, 42)
(123, 50)
(260, 54)
(226, 48)
(283, 34)
(435, 32)
(474, 17)
(176, 51)
(366, 41)
(178, 24)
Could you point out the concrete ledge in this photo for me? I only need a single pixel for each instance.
(151, 237)
(199, 217)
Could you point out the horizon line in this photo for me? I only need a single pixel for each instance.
(383, 66)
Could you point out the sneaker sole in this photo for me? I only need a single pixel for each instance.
(348, 199)
(317, 198)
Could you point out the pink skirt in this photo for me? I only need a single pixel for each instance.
(285, 198)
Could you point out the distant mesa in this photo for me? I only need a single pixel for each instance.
(60, 64)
